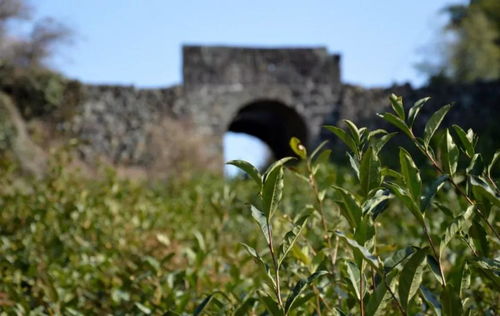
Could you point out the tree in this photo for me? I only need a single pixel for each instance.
(473, 53)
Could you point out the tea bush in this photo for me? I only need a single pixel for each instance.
(330, 240)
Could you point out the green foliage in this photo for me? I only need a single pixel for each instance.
(300, 238)
(474, 52)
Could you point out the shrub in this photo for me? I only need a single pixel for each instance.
(441, 259)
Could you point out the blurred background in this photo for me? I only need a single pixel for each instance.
(130, 42)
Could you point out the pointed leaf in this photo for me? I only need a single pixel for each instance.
(397, 257)
(262, 220)
(344, 137)
(432, 299)
(356, 247)
(467, 145)
(354, 277)
(432, 190)
(460, 223)
(350, 208)
(397, 122)
(411, 277)
(272, 191)
(434, 122)
(299, 288)
(291, 237)
(379, 297)
(415, 109)
(411, 175)
(201, 307)
(249, 169)
(397, 106)
(369, 172)
(450, 154)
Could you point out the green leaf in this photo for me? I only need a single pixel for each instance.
(432, 299)
(482, 190)
(476, 165)
(397, 106)
(354, 277)
(356, 247)
(415, 109)
(467, 144)
(435, 268)
(252, 252)
(262, 220)
(492, 163)
(318, 149)
(489, 271)
(407, 200)
(397, 257)
(271, 305)
(344, 137)
(450, 154)
(411, 175)
(297, 147)
(299, 288)
(379, 297)
(450, 300)
(369, 172)
(376, 204)
(245, 307)
(355, 132)
(460, 223)
(349, 207)
(379, 143)
(397, 122)
(249, 169)
(354, 164)
(432, 190)
(272, 191)
(201, 307)
(277, 164)
(291, 237)
(411, 277)
(433, 123)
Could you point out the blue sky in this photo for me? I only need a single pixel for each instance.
(138, 42)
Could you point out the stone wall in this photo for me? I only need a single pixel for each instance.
(219, 82)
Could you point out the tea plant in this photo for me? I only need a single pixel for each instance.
(446, 256)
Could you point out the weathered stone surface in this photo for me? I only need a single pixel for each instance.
(272, 94)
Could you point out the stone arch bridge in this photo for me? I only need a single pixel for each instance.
(272, 94)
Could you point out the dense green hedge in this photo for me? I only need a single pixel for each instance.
(329, 240)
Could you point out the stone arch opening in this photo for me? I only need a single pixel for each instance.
(273, 122)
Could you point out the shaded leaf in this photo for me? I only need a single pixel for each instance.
(356, 247)
(299, 287)
(460, 223)
(344, 137)
(291, 237)
(432, 299)
(432, 190)
(467, 144)
(201, 307)
(397, 257)
(411, 277)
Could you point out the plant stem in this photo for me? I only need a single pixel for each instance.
(361, 291)
(393, 295)
(455, 185)
(276, 267)
(431, 243)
